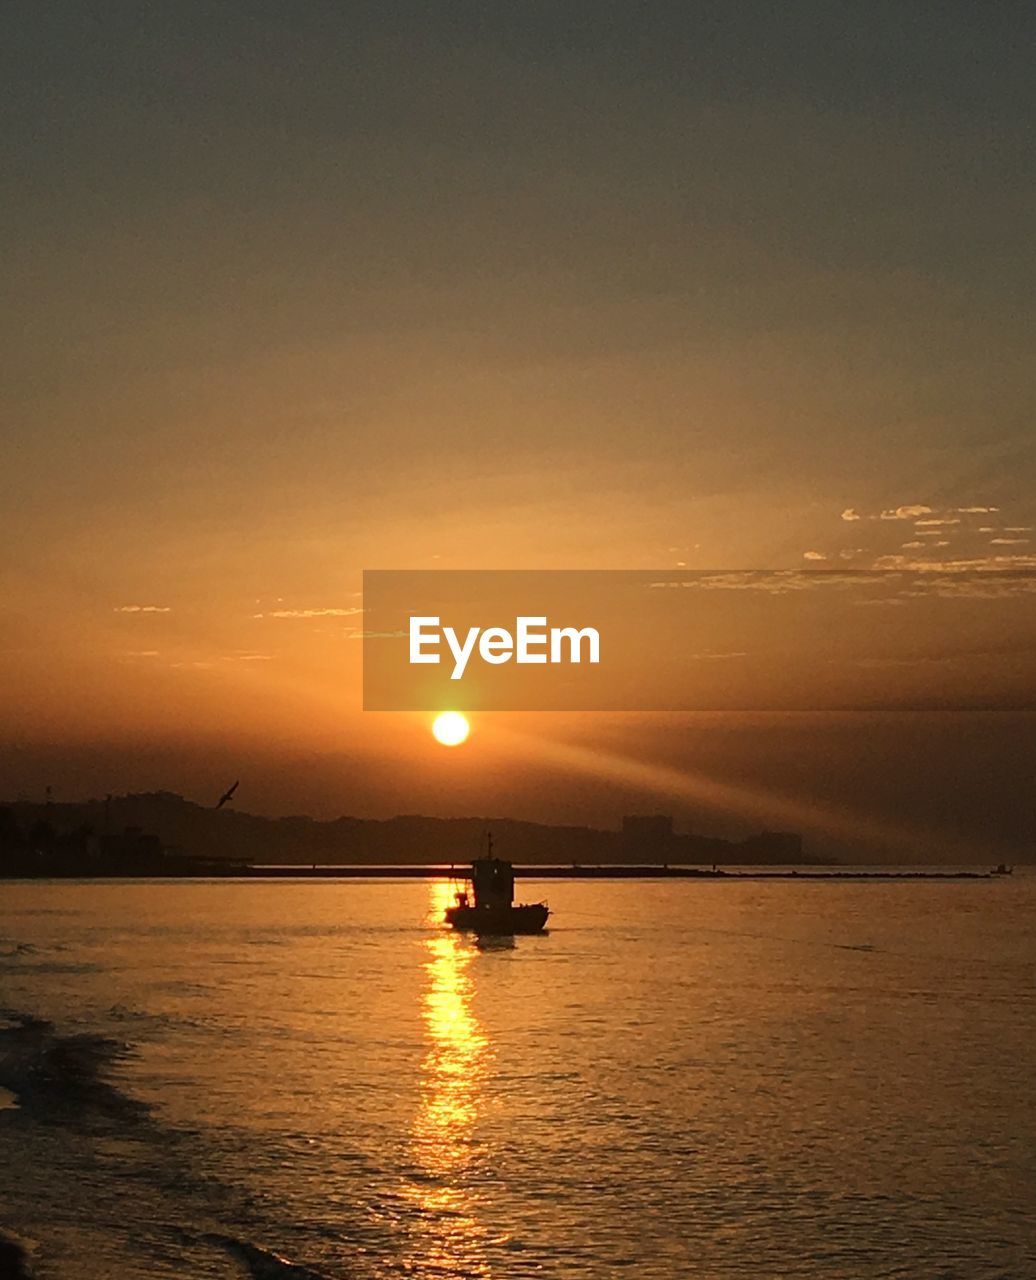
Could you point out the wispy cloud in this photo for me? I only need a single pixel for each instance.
(710, 657)
(910, 512)
(310, 613)
(971, 569)
(934, 530)
(142, 608)
(813, 555)
(918, 511)
(770, 581)
(891, 663)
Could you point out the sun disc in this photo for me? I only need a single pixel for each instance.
(450, 728)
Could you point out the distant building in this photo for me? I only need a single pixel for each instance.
(133, 848)
(647, 837)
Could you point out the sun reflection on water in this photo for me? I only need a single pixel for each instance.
(448, 1237)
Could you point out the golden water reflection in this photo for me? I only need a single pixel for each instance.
(453, 1080)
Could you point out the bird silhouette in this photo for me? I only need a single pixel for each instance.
(228, 794)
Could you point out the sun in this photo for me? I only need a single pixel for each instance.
(451, 728)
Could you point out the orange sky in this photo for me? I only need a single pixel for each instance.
(282, 304)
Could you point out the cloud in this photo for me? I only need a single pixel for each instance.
(1018, 528)
(907, 513)
(142, 608)
(978, 575)
(1008, 542)
(707, 657)
(771, 581)
(911, 545)
(917, 511)
(813, 555)
(882, 663)
(310, 613)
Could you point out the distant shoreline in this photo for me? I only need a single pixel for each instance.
(635, 871)
(643, 871)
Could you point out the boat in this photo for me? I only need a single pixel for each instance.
(489, 909)
(1001, 869)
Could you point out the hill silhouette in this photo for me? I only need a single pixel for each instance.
(230, 834)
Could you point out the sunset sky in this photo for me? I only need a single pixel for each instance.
(291, 291)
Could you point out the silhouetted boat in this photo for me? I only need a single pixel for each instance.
(1001, 869)
(490, 908)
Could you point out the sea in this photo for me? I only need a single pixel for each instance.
(728, 1079)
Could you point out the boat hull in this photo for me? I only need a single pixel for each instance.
(503, 921)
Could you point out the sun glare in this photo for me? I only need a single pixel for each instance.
(451, 728)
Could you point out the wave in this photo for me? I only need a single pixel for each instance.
(66, 1080)
(147, 1021)
(25, 957)
(12, 948)
(264, 1264)
(63, 1078)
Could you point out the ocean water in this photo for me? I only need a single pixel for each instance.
(714, 1080)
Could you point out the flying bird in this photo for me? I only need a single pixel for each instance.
(228, 794)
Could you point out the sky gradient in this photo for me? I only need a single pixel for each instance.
(297, 290)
